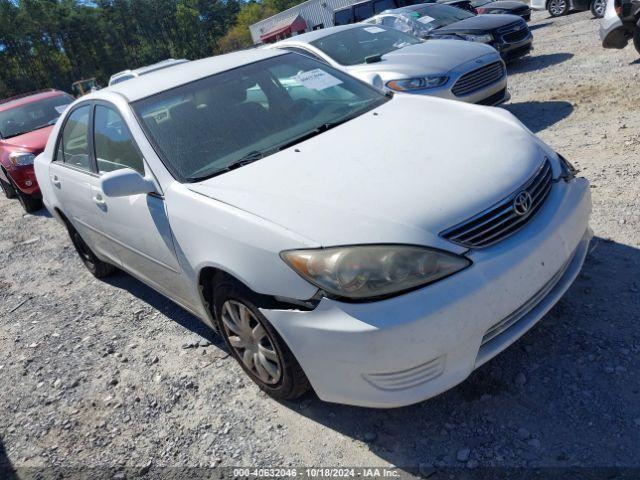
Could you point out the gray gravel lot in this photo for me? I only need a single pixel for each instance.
(112, 374)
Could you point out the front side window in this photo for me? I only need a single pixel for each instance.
(353, 46)
(207, 127)
(113, 142)
(73, 145)
(32, 116)
(363, 11)
(342, 17)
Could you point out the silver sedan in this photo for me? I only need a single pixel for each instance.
(399, 62)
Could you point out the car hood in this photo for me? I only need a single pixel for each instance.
(430, 57)
(34, 141)
(401, 173)
(480, 23)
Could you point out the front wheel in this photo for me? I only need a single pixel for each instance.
(256, 345)
(29, 203)
(557, 8)
(598, 7)
(7, 189)
(636, 39)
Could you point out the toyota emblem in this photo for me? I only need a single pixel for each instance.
(522, 203)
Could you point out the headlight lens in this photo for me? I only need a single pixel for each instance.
(421, 83)
(485, 38)
(21, 158)
(372, 271)
(568, 170)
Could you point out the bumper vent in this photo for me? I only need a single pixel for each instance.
(479, 79)
(407, 378)
(507, 216)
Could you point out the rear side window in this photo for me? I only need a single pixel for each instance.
(363, 11)
(382, 5)
(114, 144)
(342, 17)
(73, 147)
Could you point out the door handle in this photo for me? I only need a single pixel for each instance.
(99, 200)
(56, 181)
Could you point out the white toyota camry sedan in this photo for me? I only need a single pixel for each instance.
(375, 248)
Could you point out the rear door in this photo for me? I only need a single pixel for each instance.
(74, 177)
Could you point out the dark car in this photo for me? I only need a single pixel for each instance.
(361, 11)
(508, 34)
(620, 24)
(503, 6)
(25, 124)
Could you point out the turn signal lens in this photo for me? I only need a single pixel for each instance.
(367, 272)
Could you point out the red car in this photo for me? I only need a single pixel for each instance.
(25, 124)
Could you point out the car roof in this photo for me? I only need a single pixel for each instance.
(20, 100)
(171, 77)
(149, 68)
(317, 34)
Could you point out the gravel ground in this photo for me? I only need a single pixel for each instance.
(111, 374)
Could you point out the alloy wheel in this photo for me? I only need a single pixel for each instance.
(599, 7)
(251, 342)
(557, 7)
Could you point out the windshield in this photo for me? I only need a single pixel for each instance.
(435, 16)
(353, 46)
(207, 127)
(32, 116)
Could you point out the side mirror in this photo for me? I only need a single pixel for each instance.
(124, 183)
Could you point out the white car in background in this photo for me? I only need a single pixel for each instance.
(129, 74)
(377, 249)
(400, 62)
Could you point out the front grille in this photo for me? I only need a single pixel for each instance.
(511, 27)
(515, 37)
(500, 221)
(478, 79)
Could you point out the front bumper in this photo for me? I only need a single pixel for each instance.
(24, 178)
(409, 348)
(513, 51)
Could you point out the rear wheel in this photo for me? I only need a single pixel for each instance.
(7, 189)
(97, 267)
(256, 345)
(598, 7)
(557, 8)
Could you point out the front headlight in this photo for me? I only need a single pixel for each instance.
(421, 83)
(21, 158)
(568, 170)
(367, 272)
(485, 38)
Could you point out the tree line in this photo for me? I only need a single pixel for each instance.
(52, 43)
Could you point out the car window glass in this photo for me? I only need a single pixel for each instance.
(204, 127)
(24, 118)
(363, 11)
(114, 144)
(302, 51)
(342, 17)
(353, 46)
(73, 147)
(382, 5)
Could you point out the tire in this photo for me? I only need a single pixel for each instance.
(97, 267)
(636, 38)
(29, 203)
(7, 189)
(557, 8)
(598, 7)
(278, 373)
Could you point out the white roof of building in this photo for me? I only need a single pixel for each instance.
(176, 75)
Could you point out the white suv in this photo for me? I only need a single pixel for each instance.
(377, 249)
